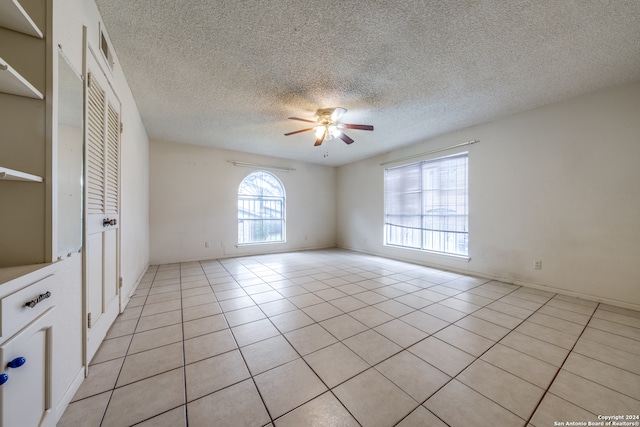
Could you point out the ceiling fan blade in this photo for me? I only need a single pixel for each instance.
(337, 113)
(298, 131)
(320, 139)
(359, 127)
(302, 120)
(345, 138)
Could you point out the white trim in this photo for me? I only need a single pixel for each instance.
(14, 175)
(275, 242)
(509, 280)
(257, 166)
(134, 288)
(64, 401)
(457, 257)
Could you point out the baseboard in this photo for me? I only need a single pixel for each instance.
(526, 284)
(227, 255)
(68, 395)
(578, 295)
(133, 290)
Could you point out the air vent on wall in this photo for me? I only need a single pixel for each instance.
(106, 50)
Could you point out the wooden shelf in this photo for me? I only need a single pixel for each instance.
(14, 17)
(7, 174)
(13, 83)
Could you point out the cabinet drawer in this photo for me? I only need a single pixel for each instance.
(25, 397)
(16, 313)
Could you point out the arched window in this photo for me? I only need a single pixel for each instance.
(261, 209)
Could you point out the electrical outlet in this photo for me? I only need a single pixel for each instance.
(537, 265)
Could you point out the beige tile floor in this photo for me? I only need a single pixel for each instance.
(337, 338)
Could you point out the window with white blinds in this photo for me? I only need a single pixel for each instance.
(426, 205)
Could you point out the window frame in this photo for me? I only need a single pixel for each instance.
(261, 199)
(416, 212)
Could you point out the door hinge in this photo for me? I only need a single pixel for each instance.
(120, 283)
(89, 320)
(121, 127)
(89, 79)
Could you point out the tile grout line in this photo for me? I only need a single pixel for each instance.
(183, 362)
(497, 342)
(160, 373)
(368, 329)
(246, 365)
(249, 267)
(476, 358)
(126, 353)
(184, 358)
(372, 328)
(329, 390)
(301, 357)
(561, 365)
(522, 321)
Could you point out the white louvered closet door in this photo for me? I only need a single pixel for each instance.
(102, 197)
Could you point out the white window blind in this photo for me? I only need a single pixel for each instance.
(426, 205)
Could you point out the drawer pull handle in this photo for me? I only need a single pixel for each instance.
(3, 378)
(35, 301)
(17, 362)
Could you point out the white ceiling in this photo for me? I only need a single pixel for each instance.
(227, 74)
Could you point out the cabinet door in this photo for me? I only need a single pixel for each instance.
(26, 396)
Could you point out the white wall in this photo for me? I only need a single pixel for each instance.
(69, 18)
(194, 199)
(560, 184)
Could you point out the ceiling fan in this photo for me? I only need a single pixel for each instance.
(327, 126)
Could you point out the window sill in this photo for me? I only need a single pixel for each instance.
(242, 245)
(435, 253)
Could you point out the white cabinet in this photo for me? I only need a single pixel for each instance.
(25, 397)
(47, 337)
(26, 232)
(28, 306)
(40, 321)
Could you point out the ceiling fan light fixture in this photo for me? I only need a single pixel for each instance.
(334, 131)
(337, 113)
(327, 126)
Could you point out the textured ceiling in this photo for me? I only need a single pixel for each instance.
(227, 74)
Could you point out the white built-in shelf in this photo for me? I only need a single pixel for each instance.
(12, 82)
(14, 17)
(7, 174)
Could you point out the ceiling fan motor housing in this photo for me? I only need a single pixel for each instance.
(327, 126)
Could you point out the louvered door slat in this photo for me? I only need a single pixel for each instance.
(112, 152)
(95, 149)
